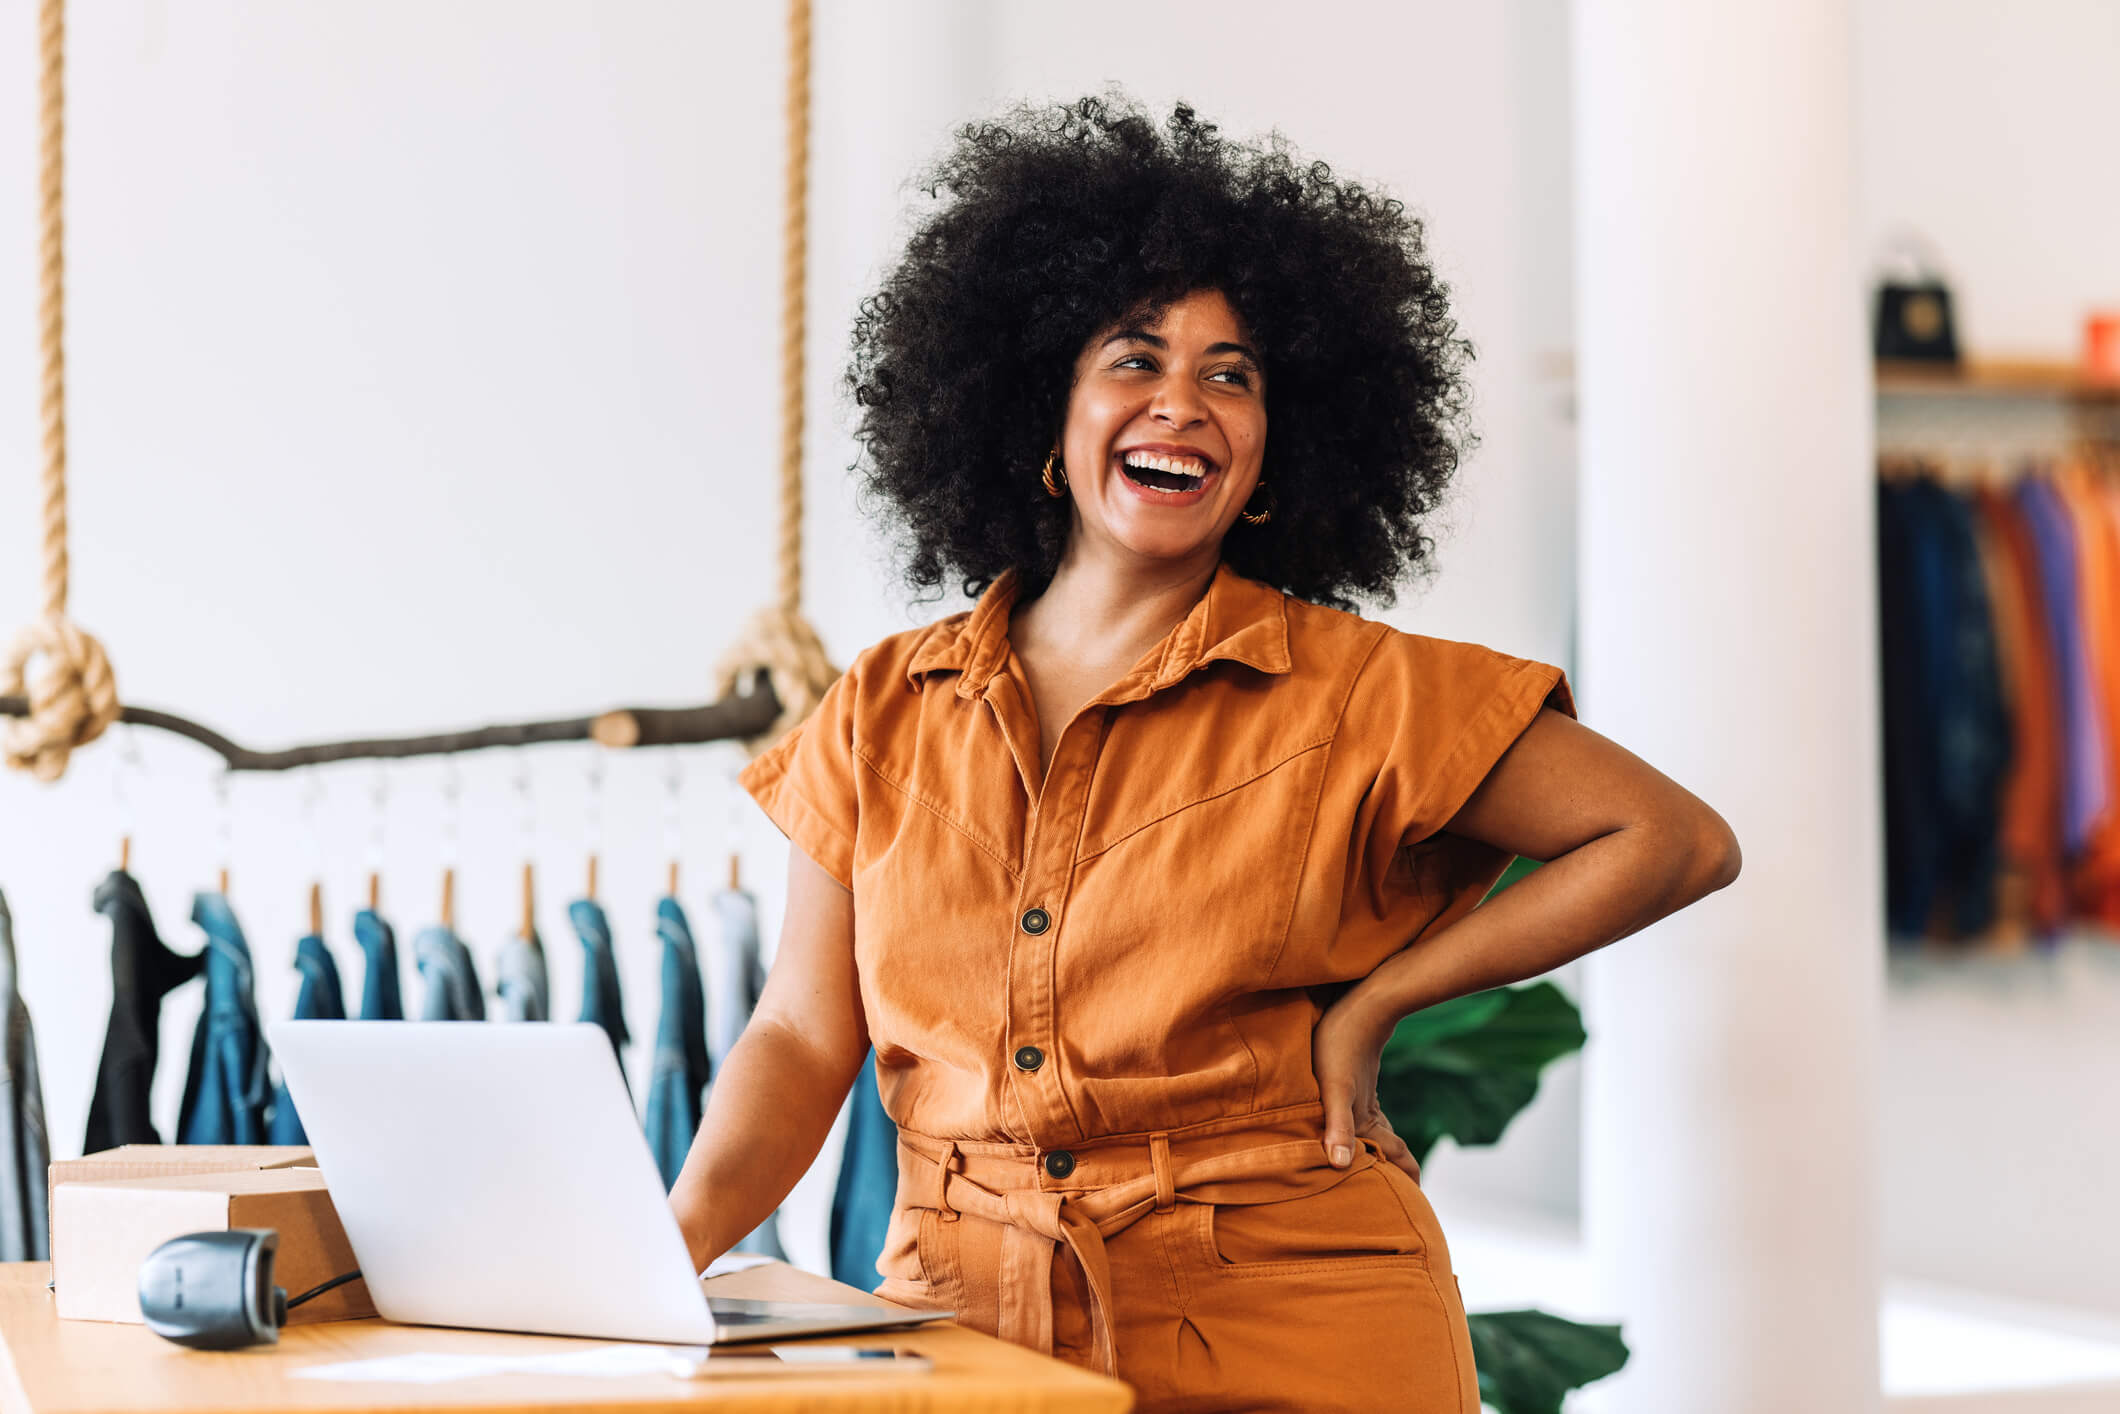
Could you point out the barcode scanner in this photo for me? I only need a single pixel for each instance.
(214, 1290)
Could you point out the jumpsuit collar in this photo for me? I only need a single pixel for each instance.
(1239, 619)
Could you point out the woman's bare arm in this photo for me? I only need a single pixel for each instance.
(780, 1088)
(1623, 845)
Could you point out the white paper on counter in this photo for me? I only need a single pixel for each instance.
(433, 1367)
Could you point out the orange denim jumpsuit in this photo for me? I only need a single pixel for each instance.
(1092, 995)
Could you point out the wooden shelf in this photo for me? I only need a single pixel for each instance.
(2003, 377)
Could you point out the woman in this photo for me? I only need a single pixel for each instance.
(1128, 872)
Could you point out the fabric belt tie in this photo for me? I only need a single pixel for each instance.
(1279, 1157)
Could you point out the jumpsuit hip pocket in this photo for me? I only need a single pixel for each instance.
(918, 1263)
(1358, 1224)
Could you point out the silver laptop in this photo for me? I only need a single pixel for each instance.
(495, 1176)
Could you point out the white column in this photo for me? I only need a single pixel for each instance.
(1728, 637)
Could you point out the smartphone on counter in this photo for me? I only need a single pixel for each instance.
(752, 1362)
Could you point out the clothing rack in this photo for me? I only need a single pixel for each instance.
(75, 697)
(739, 715)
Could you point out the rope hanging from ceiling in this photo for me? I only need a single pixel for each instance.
(770, 678)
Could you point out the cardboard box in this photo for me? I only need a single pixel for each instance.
(102, 1230)
(165, 1160)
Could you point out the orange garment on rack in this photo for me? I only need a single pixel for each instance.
(2031, 796)
(2096, 878)
(2005, 595)
(1092, 988)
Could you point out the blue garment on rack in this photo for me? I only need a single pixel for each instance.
(319, 1000)
(452, 991)
(228, 1088)
(735, 971)
(2084, 788)
(680, 1074)
(521, 991)
(868, 1185)
(602, 1003)
(25, 1147)
(736, 977)
(380, 998)
(1947, 739)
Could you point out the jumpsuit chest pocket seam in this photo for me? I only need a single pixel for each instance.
(1090, 849)
(973, 837)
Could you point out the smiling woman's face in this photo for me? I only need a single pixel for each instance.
(1166, 427)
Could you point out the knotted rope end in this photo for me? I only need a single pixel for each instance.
(783, 645)
(73, 697)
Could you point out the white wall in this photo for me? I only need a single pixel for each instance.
(423, 367)
(1987, 128)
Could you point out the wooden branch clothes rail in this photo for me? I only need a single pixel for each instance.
(737, 716)
(69, 703)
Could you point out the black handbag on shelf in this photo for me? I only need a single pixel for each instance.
(1913, 315)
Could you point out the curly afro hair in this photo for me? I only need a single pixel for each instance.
(1051, 224)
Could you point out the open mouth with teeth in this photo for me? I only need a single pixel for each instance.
(1160, 472)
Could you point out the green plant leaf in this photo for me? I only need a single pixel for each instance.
(1529, 1360)
(1465, 1068)
(1434, 1025)
(1519, 868)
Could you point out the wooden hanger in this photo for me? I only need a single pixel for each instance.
(449, 898)
(529, 928)
(316, 909)
(1900, 467)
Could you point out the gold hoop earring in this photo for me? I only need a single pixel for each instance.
(1263, 516)
(1050, 488)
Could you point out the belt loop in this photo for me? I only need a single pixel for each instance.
(951, 1162)
(1159, 1156)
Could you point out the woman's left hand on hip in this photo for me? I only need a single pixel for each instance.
(1346, 1048)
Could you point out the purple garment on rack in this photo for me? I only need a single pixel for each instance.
(2084, 791)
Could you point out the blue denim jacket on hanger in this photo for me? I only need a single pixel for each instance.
(680, 1073)
(521, 991)
(25, 1147)
(868, 1185)
(737, 977)
(228, 1088)
(735, 971)
(319, 1000)
(602, 1003)
(380, 997)
(452, 991)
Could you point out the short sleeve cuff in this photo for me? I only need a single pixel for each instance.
(807, 828)
(1494, 728)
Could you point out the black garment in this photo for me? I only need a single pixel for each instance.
(142, 972)
(25, 1146)
(1909, 728)
(1947, 744)
(1974, 746)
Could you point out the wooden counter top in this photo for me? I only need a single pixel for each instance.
(89, 1367)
